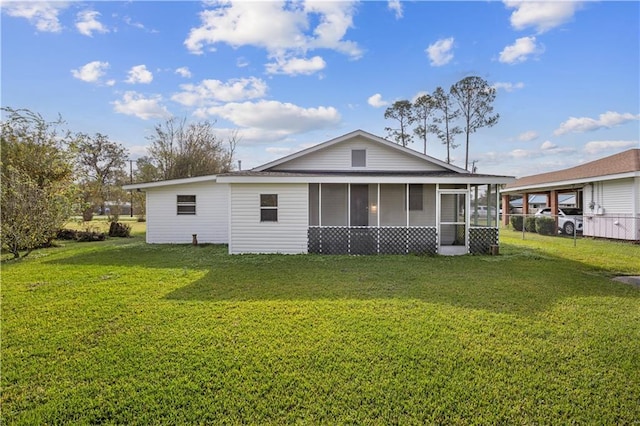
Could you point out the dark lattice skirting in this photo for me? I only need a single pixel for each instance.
(481, 239)
(372, 240)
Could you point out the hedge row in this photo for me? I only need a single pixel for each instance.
(541, 224)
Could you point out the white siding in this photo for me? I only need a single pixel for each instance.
(210, 222)
(620, 214)
(378, 158)
(287, 235)
(617, 196)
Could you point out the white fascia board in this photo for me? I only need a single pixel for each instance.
(172, 182)
(543, 187)
(470, 179)
(365, 135)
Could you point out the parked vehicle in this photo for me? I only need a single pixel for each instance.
(569, 219)
(482, 211)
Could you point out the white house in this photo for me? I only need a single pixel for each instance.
(355, 194)
(607, 190)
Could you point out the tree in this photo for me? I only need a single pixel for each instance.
(100, 164)
(444, 128)
(37, 191)
(475, 98)
(402, 112)
(423, 108)
(180, 150)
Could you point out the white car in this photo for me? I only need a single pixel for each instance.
(569, 219)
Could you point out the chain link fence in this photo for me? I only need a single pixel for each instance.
(618, 227)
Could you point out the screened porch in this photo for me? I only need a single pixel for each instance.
(397, 219)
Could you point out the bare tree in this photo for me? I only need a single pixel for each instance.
(402, 112)
(448, 113)
(180, 150)
(100, 163)
(475, 98)
(423, 108)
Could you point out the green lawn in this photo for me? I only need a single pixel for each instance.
(121, 332)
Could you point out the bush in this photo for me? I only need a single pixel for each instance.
(88, 236)
(516, 222)
(545, 225)
(530, 224)
(80, 236)
(117, 229)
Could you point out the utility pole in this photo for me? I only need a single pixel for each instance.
(130, 182)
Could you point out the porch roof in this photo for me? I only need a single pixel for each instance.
(307, 176)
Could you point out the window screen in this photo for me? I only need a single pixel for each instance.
(358, 158)
(415, 197)
(268, 207)
(186, 204)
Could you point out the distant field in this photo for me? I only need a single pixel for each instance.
(121, 332)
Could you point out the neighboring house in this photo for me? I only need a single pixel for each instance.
(355, 194)
(607, 190)
(538, 201)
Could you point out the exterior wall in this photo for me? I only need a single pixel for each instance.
(378, 157)
(287, 235)
(210, 222)
(616, 209)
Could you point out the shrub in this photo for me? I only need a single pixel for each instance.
(117, 229)
(530, 224)
(88, 236)
(545, 225)
(516, 222)
(67, 234)
(80, 236)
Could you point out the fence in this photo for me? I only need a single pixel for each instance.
(619, 227)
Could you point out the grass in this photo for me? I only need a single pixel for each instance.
(121, 332)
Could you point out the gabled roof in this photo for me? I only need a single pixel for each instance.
(361, 133)
(623, 163)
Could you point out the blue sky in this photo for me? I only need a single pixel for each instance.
(292, 74)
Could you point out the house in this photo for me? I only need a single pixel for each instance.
(607, 190)
(539, 201)
(355, 194)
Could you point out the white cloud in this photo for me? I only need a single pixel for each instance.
(396, 6)
(542, 15)
(184, 72)
(279, 27)
(586, 124)
(508, 87)
(440, 52)
(595, 147)
(294, 66)
(44, 15)
(520, 50)
(136, 104)
(87, 23)
(527, 136)
(242, 62)
(91, 72)
(274, 116)
(376, 101)
(139, 74)
(279, 150)
(547, 145)
(210, 92)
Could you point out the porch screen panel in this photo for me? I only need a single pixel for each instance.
(427, 215)
(392, 208)
(334, 204)
(314, 204)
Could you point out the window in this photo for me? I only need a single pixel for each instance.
(186, 204)
(268, 207)
(358, 158)
(415, 197)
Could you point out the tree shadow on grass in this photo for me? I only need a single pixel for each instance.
(521, 282)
